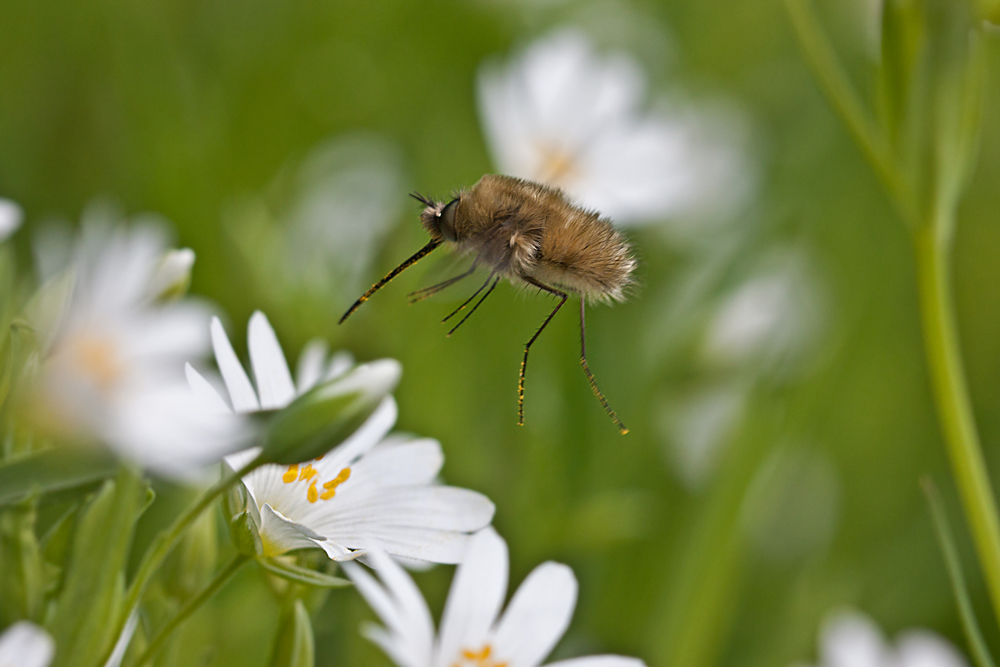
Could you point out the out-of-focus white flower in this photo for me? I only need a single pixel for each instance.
(370, 491)
(24, 644)
(851, 639)
(562, 114)
(11, 217)
(113, 355)
(768, 319)
(697, 428)
(473, 632)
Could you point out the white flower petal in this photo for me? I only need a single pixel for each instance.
(11, 216)
(477, 593)
(340, 363)
(281, 535)
(409, 634)
(920, 648)
(396, 464)
(25, 644)
(537, 616)
(204, 390)
(362, 440)
(241, 392)
(274, 381)
(434, 507)
(310, 366)
(850, 639)
(599, 661)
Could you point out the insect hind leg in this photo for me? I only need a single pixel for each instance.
(527, 347)
(590, 376)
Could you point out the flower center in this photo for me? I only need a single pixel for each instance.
(96, 357)
(558, 166)
(481, 658)
(309, 476)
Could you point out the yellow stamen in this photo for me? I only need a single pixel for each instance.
(480, 658)
(312, 495)
(558, 166)
(331, 486)
(97, 357)
(291, 474)
(308, 472)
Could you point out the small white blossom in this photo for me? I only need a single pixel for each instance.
(851, 639)
(368, 491)
(25, 644)
(473, 631)
(562, 114)
(113, 355)
(11, 217)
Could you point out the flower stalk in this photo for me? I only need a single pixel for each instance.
(958, 105)
(954, 407)
(168, 538)
(192, 605)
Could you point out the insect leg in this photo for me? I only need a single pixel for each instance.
(469, 300)
(590, 376)
(481, 299)
(524, 361)
(425, 292)
(420, 254)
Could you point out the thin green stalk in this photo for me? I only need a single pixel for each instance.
(845, 101)
(953, 564)
(220, 580)
(167, 539)
(953, 404)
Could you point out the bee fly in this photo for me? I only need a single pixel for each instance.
(530, 234)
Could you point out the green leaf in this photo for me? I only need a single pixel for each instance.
(245, 535)
(51, 470)
(22, 586)
(294, 646)
(88, 608)
(301, 575)
(953, 563)
(322, 418)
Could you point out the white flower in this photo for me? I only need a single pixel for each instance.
(368, 491)
(113, 354)
(25, 644)
(770, 318)
(851, 639)
(561, 114)
(11, 216)
(473, 631)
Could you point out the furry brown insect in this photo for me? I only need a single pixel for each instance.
(530, 234)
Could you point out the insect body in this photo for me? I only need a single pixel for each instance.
(530, 234)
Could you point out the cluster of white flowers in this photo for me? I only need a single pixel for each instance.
(851, 639)
(118, 346)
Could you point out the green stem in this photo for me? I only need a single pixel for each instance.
(953, 404)
(837, 86)
(220, 580)
(167, 539)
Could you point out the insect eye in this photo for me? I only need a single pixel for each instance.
(448, 220)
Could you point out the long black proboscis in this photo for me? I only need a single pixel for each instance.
(420, 254)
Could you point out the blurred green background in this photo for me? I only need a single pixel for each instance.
(803, 495)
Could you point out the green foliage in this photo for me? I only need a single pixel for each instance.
(295, 646)
(84, 621)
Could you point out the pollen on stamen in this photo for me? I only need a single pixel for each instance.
(291, 474)
(308, 472)
(331, 486)
(312, 495)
